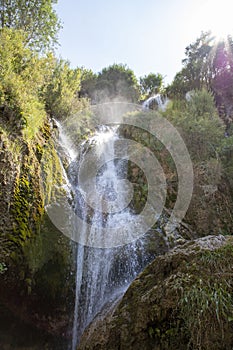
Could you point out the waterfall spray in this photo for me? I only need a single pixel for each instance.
(111, 239)
(158, 100)
(101, 273)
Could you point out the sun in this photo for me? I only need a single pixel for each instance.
(216, 16)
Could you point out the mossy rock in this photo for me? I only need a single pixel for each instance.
(35, 258)
(182, 300)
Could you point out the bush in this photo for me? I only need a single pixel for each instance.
(199, 124)
(22, 77)
(61, 95)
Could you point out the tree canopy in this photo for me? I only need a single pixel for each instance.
(61, 94)
(37, 18)
(115, 81)
(118, 80)
(151, 84)
(32, 86)
(208, 64)
(195, 73)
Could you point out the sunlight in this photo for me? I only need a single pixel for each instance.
(217, 17)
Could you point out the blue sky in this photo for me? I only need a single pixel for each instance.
(147, 35)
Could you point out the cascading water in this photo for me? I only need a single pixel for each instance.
(158, 100)
(118, 226)
(103, 274)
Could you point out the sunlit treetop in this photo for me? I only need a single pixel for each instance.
(37, 18)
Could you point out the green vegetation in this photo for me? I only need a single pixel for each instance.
(35, 87)
(206, 304)
(199, 124)
(22, 77)
(62, 89)
(3, 268)
(36, 18)
(208, 64)
(116, 82)
(151, 84)
(31, 86)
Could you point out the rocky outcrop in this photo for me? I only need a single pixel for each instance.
(182, 300)
(35, 258)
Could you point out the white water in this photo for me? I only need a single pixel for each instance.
(102, 273)
(65, 143)
(157, 99)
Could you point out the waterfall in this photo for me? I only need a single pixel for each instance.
(158, 100)
(103, 274)
(117, 226)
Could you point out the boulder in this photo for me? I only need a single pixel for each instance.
(182, 300)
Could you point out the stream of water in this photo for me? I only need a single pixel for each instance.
(103, 274)
(104, 267)
(158, 100)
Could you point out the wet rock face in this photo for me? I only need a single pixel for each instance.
(182, 300)
(35, 258)
(8, 173)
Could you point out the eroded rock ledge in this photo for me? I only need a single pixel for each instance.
(182, 300)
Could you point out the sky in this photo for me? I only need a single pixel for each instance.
(149, 36)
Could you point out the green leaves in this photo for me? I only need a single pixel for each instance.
(36, 18)
(199, 124)
(3, 268)
(151, 84)
(61, 95)
(22, 76)
(31, 85)
(115, 81)
(202, 104)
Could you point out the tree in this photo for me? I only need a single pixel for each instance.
(196, 64)
(178, 87)
(35, 17)
(208, 64)
(31, 84)
(23, 76)
(88, 83)
(196, 71)
(117, 81)
(151, 84)
(199, 124)
(61, 95)
(114, 82)
(202, 105)
(222, 77)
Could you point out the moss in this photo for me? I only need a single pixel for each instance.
(36, 180)
(182, 300)
(21, 209)
(165, 338)
(206, 302)
(52, 174)
(46, 244)
(26, 208)
(3, 268)
(39, 152)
